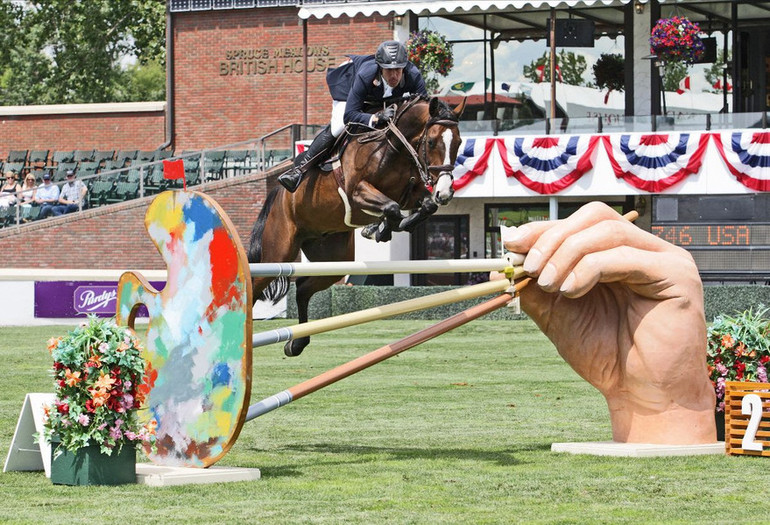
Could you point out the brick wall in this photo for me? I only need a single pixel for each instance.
(114, 237)
(220, 98)
(104, 131)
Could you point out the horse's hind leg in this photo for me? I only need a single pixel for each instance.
(334, 247)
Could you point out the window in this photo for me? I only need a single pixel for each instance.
(441, 237)
(497, 215)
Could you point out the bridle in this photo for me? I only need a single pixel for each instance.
(420, 161)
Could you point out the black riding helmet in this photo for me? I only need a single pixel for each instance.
(391, 54)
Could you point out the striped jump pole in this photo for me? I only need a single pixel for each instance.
(384, 267)
(352, 367)
(319, 326)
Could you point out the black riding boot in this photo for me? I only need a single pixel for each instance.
(322, 142)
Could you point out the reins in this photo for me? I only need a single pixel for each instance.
(421, 163)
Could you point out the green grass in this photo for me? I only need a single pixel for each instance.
(457, 430)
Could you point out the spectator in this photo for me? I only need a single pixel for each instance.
(71, 196)
(27, 195)
(9, 189)
(47, 196)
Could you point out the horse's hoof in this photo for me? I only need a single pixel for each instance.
(368, 231)
(384, 235)
(295, 347)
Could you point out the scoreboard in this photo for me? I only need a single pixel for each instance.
(728, 236)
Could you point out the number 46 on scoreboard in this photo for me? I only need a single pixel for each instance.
(747, 418)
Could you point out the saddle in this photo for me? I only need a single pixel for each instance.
(350, 132)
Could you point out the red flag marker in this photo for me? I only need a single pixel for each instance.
(174, 169)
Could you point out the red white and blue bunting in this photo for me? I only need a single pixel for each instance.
(472, 161)
(653, 162)
(747, 156)
(650, 162)
(547, 165)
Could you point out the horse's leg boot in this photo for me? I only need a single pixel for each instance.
(321, 143)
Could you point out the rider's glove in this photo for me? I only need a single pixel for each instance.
(381, 118)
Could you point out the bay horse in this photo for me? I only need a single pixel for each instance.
(378, 174)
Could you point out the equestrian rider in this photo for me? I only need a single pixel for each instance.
(362, 80)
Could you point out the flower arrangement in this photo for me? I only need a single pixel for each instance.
(432, 54)
(99, 382)
(609, 72)
(738, 350)
(676, 39)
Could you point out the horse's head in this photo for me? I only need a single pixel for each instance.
(436, 140)
(440, 147)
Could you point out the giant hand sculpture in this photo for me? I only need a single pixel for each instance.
(625, 309)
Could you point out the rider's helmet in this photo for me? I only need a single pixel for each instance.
(391, 54)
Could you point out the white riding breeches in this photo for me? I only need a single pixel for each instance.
(338, 117)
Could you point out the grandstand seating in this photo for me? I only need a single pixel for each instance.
(145, 156)
(16, 167)
(125, 191)
(100, 191)
(126, 156)
(102, 156)
(17, 156)
(83, 155)
(126, 169)
(112, 165)
(236, 161)
(154, 181)
(37, 159)
(62, 156)
(86, 169)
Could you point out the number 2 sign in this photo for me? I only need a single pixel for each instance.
(747, 418)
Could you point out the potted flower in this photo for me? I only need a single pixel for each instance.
(432, 54)
(676, 39)
(99, 385)
(738, 350)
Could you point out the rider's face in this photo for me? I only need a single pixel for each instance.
(392, 76)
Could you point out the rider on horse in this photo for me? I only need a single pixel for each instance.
(363, 80)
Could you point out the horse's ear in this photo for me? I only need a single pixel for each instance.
(458, 110)
(433, 107)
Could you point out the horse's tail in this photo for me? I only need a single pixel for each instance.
(278, 287)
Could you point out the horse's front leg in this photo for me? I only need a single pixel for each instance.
(426, 209)
(373, 202)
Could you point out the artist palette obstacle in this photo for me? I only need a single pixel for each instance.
(199, 338)
(199, 333)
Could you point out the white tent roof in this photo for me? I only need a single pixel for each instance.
(400, 7)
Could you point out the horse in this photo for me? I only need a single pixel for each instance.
(375, 176)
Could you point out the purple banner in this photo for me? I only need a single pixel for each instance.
(63, 299)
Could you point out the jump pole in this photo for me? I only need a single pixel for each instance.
(381, 312)
(384, 267)
(381, 354)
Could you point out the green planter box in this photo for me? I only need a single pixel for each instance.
(88, 466)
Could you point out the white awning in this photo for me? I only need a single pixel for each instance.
(400, 7)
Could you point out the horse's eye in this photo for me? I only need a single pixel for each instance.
(431, 143)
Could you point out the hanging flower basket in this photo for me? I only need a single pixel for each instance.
(676, 39)
(432, 54)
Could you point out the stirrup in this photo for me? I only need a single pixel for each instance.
(290, 179)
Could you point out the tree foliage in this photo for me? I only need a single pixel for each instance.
(572, 67)
(70, 51)
(715, 72)
(673, 73)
